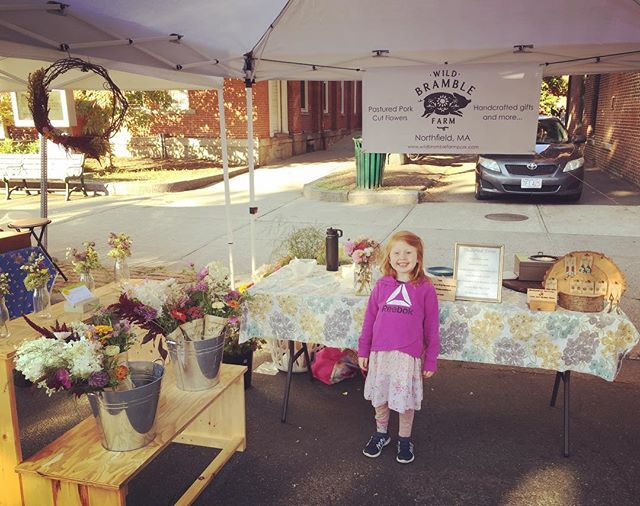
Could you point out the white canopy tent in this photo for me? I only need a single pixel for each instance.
(323, 39)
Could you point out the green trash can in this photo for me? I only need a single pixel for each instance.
(369, 167)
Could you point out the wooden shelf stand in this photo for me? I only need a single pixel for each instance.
(76, 470)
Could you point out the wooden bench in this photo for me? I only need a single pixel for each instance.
(22, 171)
(76, 470)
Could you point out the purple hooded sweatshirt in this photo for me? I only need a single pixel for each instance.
(404, 317)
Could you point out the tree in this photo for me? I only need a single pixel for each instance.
(553, 95)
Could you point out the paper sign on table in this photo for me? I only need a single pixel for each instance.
(540, 299)
(79, 299)
(445, 288)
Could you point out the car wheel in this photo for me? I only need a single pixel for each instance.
(479, 194)
(415, 157)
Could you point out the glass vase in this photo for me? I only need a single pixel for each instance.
(121, 270)
(4, 318)
(42, 302)
(87, 278)
(362, 279)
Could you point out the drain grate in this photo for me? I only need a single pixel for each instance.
(506, 217)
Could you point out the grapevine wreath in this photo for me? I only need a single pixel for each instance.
(93, 146)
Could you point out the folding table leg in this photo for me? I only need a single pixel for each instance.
(285, 402)
(44, 250)
(307, 360)
(554, 394)
(567, 384)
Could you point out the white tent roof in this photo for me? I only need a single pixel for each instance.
(208, 38)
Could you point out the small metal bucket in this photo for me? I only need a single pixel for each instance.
(127, 419)
(196, 363)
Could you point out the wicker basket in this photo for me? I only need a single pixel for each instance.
(280, 355)
(582, 303)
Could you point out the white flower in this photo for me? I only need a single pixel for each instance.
(112, 350)
(84, 357)
(34, 357)
(81, 328)
(368, 251)
(152, 293)
(218, 305)
(218, 274)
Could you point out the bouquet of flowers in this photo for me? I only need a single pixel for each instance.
(195, 310)
(4, 284)
(80, 358)
(120, 246)
(364, 253)
(84, 260)
(37, 272)
(362, 250)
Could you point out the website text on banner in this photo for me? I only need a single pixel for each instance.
(451, 109)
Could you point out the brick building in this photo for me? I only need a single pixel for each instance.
(606, 108)
(290, 118)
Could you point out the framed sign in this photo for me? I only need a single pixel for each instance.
(478, 272)
(62, 110)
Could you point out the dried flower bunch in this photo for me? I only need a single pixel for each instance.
(84, 260)
(4, 284)
(120, 246)
(37, 272)
(362, 250)
(79, 358)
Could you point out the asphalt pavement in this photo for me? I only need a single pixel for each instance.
(486, 434)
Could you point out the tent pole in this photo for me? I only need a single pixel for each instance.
(227, 196)
(253, 210)
(43, 185)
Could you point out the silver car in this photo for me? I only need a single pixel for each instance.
(557, 168)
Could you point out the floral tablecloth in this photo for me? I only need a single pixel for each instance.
(20, 300)
(321, 308)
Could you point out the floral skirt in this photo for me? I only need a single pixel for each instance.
(394, 378)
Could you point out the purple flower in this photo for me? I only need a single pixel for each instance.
(203, 273)
(233, 320)
(200, 286)
(98, 379)
(60, 379)
(232, 295)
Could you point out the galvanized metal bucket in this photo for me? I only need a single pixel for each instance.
(196, 363)
(127, 418)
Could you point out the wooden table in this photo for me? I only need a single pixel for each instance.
(200, 419)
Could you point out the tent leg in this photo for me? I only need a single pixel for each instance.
(253, 210)
(227, 191)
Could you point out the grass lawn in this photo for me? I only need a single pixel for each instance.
(150, 169)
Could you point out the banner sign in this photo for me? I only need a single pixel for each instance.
(489, 108)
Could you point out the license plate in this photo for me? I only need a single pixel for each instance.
(530, 182)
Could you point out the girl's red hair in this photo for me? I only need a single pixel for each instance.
(417, 275)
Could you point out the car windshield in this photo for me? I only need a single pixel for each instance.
(551, 131)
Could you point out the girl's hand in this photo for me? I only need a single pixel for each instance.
(363, 362)
(427, 374)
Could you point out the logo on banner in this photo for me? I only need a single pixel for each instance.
(447, 94)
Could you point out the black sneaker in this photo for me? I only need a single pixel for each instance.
(405, 451)
(375, 445)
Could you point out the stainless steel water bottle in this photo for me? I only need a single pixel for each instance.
(331, 244)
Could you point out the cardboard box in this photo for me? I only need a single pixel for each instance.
(528, 269)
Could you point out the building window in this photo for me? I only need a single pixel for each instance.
(180, 100)
(304, 96)
(278, 112)
(342, 97)
(355, 97)
(325, 97)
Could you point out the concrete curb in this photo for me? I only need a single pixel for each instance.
(389, 197)
(145, 188)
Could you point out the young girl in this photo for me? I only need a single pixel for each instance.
(400, 342)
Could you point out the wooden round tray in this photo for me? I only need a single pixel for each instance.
(586, 281)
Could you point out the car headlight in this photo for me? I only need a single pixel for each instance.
(573, 164)
(488, 164)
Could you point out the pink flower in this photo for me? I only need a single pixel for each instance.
(60, 379)
(349, 247)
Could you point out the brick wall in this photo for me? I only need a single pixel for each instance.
(611, 121)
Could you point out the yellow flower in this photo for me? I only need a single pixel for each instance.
(103, 330)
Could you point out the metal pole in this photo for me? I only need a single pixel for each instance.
(43, 185)
(227, 191)
(567, 387)
(253, 210)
